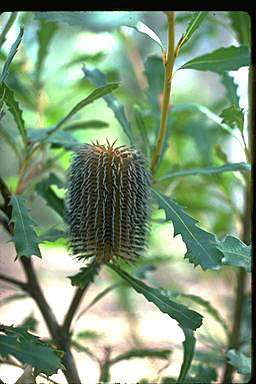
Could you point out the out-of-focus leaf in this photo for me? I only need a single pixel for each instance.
(52, 235)
(142, 353)
(188, 353)
(240, 22)
(84, 58)
(222, 59)
(232, 167)
(58, 139)
(98, 78)
(93, 21)
(184, 316)
(7, 95)
(28, 349)
(240, 361)
(11, 55)
(10, 140)
(234, 117)
(201, 245)
(142, 129)
(44, 189)
(154, 72)
(75, 126)
(231, 88)
(196, 19)
(200, 374)
(143, 28)
(85, 276)
(88, 335)
(45, 34)
(24, 235)
(236, 253)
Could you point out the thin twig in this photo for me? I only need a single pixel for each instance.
(169, 63)
(79, 293)
(11, 280)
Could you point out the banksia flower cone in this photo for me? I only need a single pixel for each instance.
(108, 203)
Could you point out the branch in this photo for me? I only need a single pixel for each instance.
(79, 293)
(11, 280)
(169, 63)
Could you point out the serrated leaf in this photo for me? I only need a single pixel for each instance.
(44, 189)
(201, 245)
(44, 36)
(236, 253)
(196, 20)
(188, 353)
(142, 353)
(99, 92)
(26, 348)
(11, 55)
(222, 59)
(234, 117)
(232, 167)
(7, 95)
(184, 316)
(96, 77)
(240, 361)
(231, 88)
(85, 276)
(57, 139)
(24, 235)
(240, 22)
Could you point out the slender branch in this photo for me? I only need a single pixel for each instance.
(74, 305)
(11, 280)
(169, 63)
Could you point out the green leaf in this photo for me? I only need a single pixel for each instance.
(196, 19)
(240, 22)
(202, 374)
(57, 139)
(101, 91)
(9, 138)
(24, 235)
(85, 276)
(223, 59)
(201, 245)
(44, 189)
(184, 316)
(234, 117)
(11, 55)
(240, 361)
(209, 308)
(29, 350)
(98, 78)
(7, 95)
(84, 58)
(155, 75)
(85, 125)
(188, 353)
(142, 129)
(142, 353)
(236, 253)
(231, 88)
(45, 34)
(232, 167)
(51, 235)
(143, 28)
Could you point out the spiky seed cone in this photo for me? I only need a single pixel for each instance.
(108, 203)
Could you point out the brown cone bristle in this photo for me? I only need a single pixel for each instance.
(108, 203)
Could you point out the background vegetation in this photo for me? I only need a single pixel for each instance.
(73, 77)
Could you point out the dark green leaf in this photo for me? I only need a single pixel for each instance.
(223, 59)
(142, 353)
(236, 253)
(240, 22)
(184, 316)
(7, 95)
(24, 235)
(85, 276)
(188, 353)
(44, 35)
(196, 19)
(240, 361)
(52, 235)
(98, 78)
(29, 350)
(85, 124)
(101, 91)
(44, 189)
(57, 139)
(233, 167)
(11, 55)
(234, 117)
(201, 245)
(231, 88)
